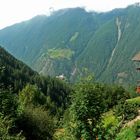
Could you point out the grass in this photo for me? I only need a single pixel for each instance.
(126, 134)
(129, 133)
(109, 119)
(74, 37)
(134, 101)
(60, 53)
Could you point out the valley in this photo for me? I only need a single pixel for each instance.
(71, 75)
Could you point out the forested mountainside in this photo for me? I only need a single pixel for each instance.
(29, 103)
(15, 75)
(72, 40)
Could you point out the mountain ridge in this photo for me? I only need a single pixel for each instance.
(72, 39)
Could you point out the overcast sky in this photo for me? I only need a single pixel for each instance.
(13, 11)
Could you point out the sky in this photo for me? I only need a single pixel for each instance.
(14, 11)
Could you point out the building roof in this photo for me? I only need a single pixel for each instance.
(136, 57)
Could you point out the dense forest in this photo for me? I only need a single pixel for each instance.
(34, 107)
(25, 95)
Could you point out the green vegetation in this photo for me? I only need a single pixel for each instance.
(60, 53)
(133, 105)
(44, 108)
(110, 124)
(5, 125)
(89, 114)
(127, 134)
(130, 132)
(109, 119)
(134, 101)
(74, 37)
(30, 105)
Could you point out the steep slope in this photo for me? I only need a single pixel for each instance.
(72, 39)
(50, 42)
(110, 51)
(121, 65)
(99, 49)
(19, 37)
(14, 73)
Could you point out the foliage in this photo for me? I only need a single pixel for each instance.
(109, 119)
(5, 126)
(135, 101)
(36, 124)
(31, 111)
(8, 104)
(126, 134)
(84, 118)
(8, 114)
(130, 111)
(16, 75)
(34, 120)
(110, 125)
(31, 95)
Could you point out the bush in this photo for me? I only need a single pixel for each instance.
(5, 126)
(8, 103)
(36, 124)
(130, 111)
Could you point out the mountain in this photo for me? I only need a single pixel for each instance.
(49, 43)
(14, 73)
(73, 40)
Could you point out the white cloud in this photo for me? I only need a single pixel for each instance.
(12, 11)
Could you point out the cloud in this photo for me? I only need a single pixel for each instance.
(12, 11)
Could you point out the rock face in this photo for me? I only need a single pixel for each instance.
(136, 57)
(72, 40)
